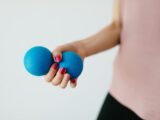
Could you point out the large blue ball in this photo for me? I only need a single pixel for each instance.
(38, 60)
(72, 62)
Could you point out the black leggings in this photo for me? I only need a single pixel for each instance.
(113, 110)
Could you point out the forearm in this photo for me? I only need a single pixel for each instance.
(103, 40)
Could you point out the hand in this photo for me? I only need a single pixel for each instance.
(59, 77)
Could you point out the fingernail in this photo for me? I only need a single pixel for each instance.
(57, 58)
(73, 81)
(62, 70)
(55, 66)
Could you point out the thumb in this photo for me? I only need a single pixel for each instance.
(57, 52)
(57, 55)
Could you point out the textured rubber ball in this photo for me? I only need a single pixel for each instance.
(38, 60)
(72, 62)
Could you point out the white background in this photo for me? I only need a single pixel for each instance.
(26, 23)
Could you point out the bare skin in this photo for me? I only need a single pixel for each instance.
(103, 40)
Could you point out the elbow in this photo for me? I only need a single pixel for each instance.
(116, 25)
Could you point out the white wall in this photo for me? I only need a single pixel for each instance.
(26, 23)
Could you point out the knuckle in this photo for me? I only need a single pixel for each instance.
(63, 86)
(66, 76)
(46, 78)
(57, 49)
(55, 83)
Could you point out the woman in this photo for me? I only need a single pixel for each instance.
(134, 92)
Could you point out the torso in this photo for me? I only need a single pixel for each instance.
(136, 79)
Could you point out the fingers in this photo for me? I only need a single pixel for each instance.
(73, 83)
(59, 76)
(50, 75)
(65, 81)
(62, 79)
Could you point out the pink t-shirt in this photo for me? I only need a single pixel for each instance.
(136, 78)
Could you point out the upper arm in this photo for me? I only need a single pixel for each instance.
(116, 18)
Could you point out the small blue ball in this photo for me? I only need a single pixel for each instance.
(38, 60)
(72, 62)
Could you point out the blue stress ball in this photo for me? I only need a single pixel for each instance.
(72, 62)
(38, 60)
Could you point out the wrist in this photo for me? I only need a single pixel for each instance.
(80, 48)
